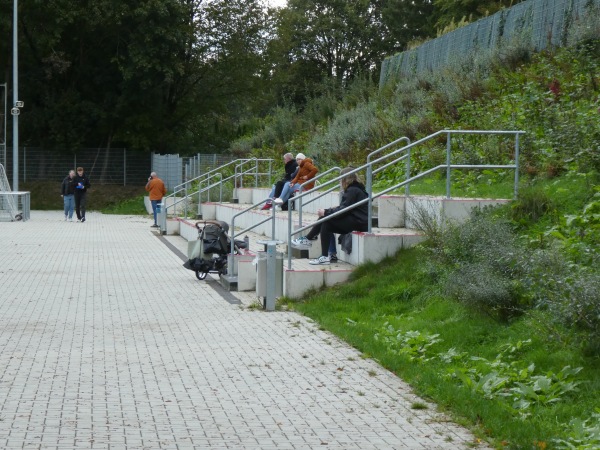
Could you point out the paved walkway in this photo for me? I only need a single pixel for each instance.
(108, 342)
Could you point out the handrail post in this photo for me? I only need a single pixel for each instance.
(199, 213)
(256, 173)
(231, 269)
(235, 182)
(516, 192)
(273, 222)
(370, 194)
(289, 244)
(270, 171)
(369, 181)
(299, 206)
(407, 187)
(221, 190)
(448, 145)
(184, 203)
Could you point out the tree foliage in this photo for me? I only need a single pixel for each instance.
(142, 74)
(188, 75)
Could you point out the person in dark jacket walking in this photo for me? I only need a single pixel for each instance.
(67, 192)
(82, 184)
(355, 219)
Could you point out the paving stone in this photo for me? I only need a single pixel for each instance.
(108, 342)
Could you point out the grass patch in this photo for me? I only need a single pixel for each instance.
(479, 370)
(467, 185)
(129, 206)
(107, 198)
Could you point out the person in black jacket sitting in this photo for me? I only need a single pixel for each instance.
(291, 166)
(355, 219)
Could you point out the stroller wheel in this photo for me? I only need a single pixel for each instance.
(201, 275)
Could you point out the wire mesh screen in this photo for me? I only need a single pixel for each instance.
(175, 169)
(103, 166)
(540, 24)
(3, 113)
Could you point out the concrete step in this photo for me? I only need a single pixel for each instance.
(396, 217)
(301, 276)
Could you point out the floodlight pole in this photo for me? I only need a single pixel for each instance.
(15, 109)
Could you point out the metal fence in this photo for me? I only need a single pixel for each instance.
(537, 24)
(103, 166)
(3, 113)
(111, 166)
(175, 169)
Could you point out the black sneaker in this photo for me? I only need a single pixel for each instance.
(83, 219)
(333, 258)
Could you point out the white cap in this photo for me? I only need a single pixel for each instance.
(300, 156)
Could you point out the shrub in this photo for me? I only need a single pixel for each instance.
(532, 203)
(573, 299)
(481, 287)
(483, 261)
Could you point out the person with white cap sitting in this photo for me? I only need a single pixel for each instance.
(306, 171)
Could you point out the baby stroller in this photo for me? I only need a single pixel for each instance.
(211, 249)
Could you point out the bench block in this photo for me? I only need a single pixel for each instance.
(297, 282)
(391, 211)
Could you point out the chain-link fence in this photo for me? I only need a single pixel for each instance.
(112, 166)
(174, 169)
(3, 113)
(538, 24)
(104, 166)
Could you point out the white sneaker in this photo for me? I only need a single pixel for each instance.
(302, 243)
(65, 218)
(321, 260)
(278, 201)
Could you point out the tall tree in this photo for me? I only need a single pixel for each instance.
(139, 73)
(408, 20)
(448, 11)
(333, 38)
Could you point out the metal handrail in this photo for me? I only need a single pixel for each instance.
(205, 177)
(239, 174)
(199, 192)
(448, 166)
(220, 168)
(367, 166)
(370, 173)
(201, 178)
(307, 182)
(244, 211)
(272, 217)
(230, 263)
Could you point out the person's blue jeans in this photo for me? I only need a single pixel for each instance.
(156, 208)
(332, 246)
(287, 191)
(69, 203)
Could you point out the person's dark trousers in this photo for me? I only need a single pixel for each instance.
(339, 225)
(80, 201)
(278, 188)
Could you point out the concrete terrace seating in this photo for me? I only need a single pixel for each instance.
(395, 230)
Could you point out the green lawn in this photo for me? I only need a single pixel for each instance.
(475, 368)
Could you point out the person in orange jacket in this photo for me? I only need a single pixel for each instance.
(157, 189)
(306, 171)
